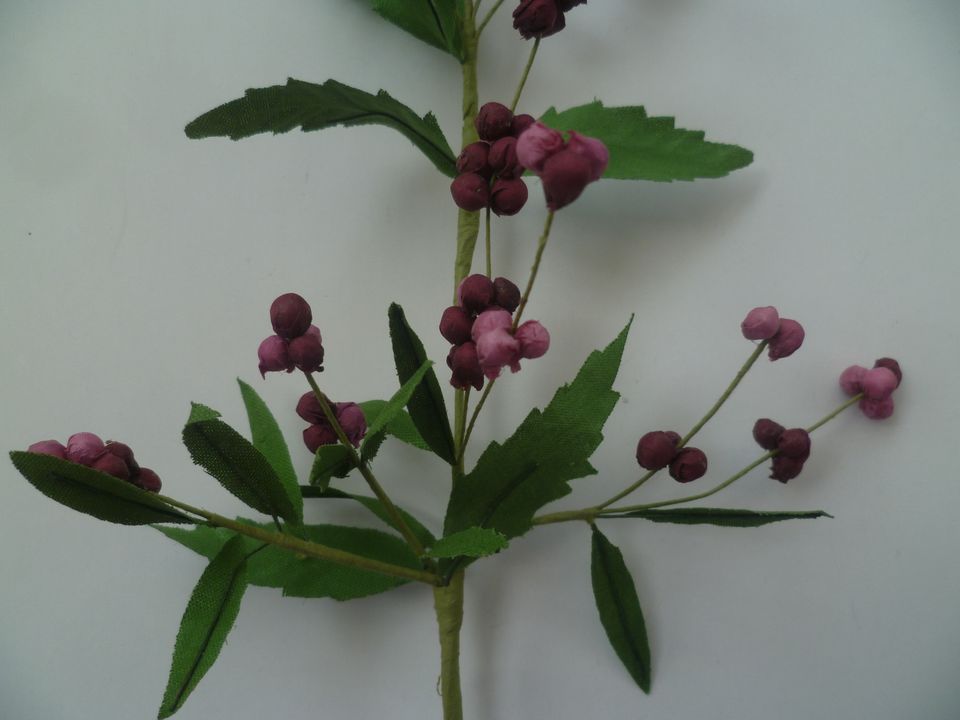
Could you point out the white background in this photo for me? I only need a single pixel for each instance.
(138, 266)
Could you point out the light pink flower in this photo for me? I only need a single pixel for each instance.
(536, 144)
(533, 338)
(488, 320)
(497, 349)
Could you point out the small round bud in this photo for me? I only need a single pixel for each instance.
(274, 356)
(84, 448)
(496, 349)
(688, 465)
(656, 449)
(475, 293)
(474, 159)
(533, 338)
(503, 158)
(520, 123)
(470, 191)
(148, 480)
(308, 407)
(493, 319)
(317, 435)
(306, 353)
(565, 176)
(593, 150)
(49, 447)
(761, 323)
(290, 316)
(123, 451)
(505, 294)
(112, 465)
(351, 419)
(767, 433)
(493, 121)
(785, 468)
(877, 409)
(538, 18)
(537, 143)
(891, 365)
(508, 196)
(455, 325)
(794, 443)
(787, 341)
(465, 366)
(673, 436)
(851, 380)
(879, 383)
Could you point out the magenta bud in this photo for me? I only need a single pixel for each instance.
(851, 380)
(308, 407)
(688, 465)
(794, 443)
(465, 364)
(112, 465)
(49, 447)
(505, 294)
(317, 435)
(538, 18)
(503, 158)
(470, 191)
(497, 349)
(475, 293)
(520, 123)
(474, 159)
(351, 419)
(877, 409)
(767, 433)
(455, 325)
(591, 149)
(533, 338)
(306, 353)
(785, 468)
(761, 323)
(489, 320)
(148, 480)
(537, 143)
(493, 121)
(891, 365)
(565, 175)
(507, 197)
(123, 451)
(290, 316)
(787, 341)
(879, 383)
(673, 436)
(84, 448)
(656, 449)
(274, 356)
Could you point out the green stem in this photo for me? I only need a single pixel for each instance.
(489, 16)
(541, 246)
(448, 603)
(468, 223)
(473, 418)
(489, 257)
(526, 74)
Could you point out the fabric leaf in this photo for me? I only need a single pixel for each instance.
(372, 504)
(330, 461)
(435, 22)
(473, 542)
(401, 427)
(724, 517)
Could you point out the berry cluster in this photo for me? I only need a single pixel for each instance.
(489, 173)
(297, 343)
(112, 458)
(876, 384)
(480, 328)
(348, 414)
(784, 337)
(565, 167)
(792, 447)
(658, 448)
(542, 18)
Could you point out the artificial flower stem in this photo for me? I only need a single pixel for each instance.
(541, 246)
(473, 418)
(489, 256)
(526, 74)
(627, 491)
(448, 604)
(489, 16)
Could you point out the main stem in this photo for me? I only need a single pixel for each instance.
(448, 603)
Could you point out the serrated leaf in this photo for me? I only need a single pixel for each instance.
(231, 459)
(619, 608)
(401, 427)
(473, 542)
(534, 466)
(399, 400)
(725, 517)
(267, 438)
(371, 445)
(309, 577)
(427, 408)
(435, 22)
(94, 493)
(330, 461)
(210, 614)
(649, 148)
(281, 108)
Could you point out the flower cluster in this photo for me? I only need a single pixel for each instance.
(489, 172)
(480, 328)
(542, 18)
(112, 458)
(297, 343)
(784, 337)
(565, 167)
(349, 416)
(876, 384)
(658, 448)
(792, 447)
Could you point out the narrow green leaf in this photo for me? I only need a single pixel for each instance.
(210, 614)
(472, 542)
(649, 148)
(242, 469)
(435, 22)
(267, 438)
(330, 461)
(619, 609)
(725, 517)
(199, 412)
(401, 427)
(371, 445)
(399, 399)
(427, 408)
(94, 493)
(281, 108)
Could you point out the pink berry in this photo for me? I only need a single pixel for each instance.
(533, 338)
(785, 468)
(565, 176)
(496, 349)
(879, 383)
(761, 323)
(317, 435)
(593, 150)
(767, 433)
(474, 159)
(49, 447)
(787, 341)
(794, 443)
(470, 191)
(112, 465)
(306, 352)
(488, 320)
(877, 409)
(476, 293)
(536, 144)
(503, 158)
(891, 365)
(508, 196)
(493, 121)
(274, 356)
(352, 420)
(148, 480)
(688, 464)
(455, 325)
(465, 366)
(506, 295)
(851, 380)
(290, 316)
(84, 448)
(656, 449)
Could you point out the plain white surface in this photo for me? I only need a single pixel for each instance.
(138, 266)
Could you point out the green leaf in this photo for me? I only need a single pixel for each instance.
(427, 408)
(649, 148)
(725, 517)
(267, 438)
(330, 461)
(399, 399)
(281, 108)
(242, 469)
(435, 22)
(401, 427)
(210, 614)
(372, 504)
(94, 493)
(309, 577)
(533, 467)
(472, 542)
(619, 609)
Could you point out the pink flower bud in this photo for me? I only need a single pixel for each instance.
(851, 380)
(785, 468)
(84, 448)
(489, 320)
(290, 316)
(593, 150)
(794, 443)
(274, 356)
(123, 452)
(306, 352)
(879, 383)
(49, 447)
(507, 197)
(493, 121)
(538, 18)
(470, 191)
(787, 341)
(673, 436)
(506, 295)
(877, 409)
(565, 175)
(112, 465)
(761, 323)
(656, 449)
(891, 365)
(688, 465)
(520, 123)
(536, 144)
(308, 407)
(317, 435)
(474, 159)
(475, 293)
(148, 480)
(351, 419)
(533, 338)
(465, 364)
(767, 433)
(455, 325)
(497, 349)
(503, 158)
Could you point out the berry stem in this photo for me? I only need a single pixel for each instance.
(526, 73)
(489, 16)
(473, 418)
(489, 257)
(541, 246)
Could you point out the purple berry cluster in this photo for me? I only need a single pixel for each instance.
(111, 457)
(784, 337)
(489, 172)
(658, 448)
(480, 328)
(565, 167)
(542, 18)
(348, 414)
(792, 447)
(876, 384)
(297, 343)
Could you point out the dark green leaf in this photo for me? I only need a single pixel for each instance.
(472, 542)
(435, 22)
(726, 517)
(331, 461)
(401, 427)
(619, 608)
(427, 408)
(267, 438)
(512, 481)
(425, 537)
(399, 400)
(281, 108)
(210, 614)
(242, 469)
(94, 493)
(646, 148)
